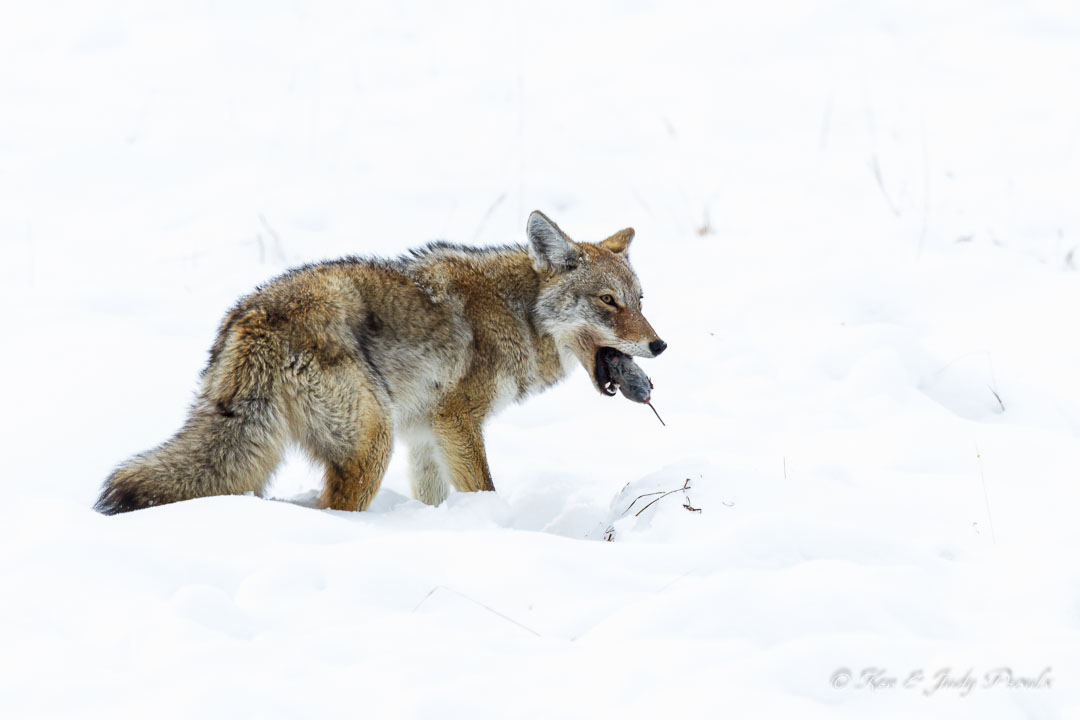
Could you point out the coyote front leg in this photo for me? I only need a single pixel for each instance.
(425, 475)
(462, 446)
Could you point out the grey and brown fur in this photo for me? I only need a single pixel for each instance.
(342, 357)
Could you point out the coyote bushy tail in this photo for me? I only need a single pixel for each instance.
(231, 441)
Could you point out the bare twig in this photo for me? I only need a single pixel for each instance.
(476, 602)
(992, 385)
(998, 397)
(684, 488)
(609, 532)
(658, 492)
(986, 497)
(875, 168)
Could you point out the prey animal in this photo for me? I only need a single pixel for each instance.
(624, 375)
(343, 357)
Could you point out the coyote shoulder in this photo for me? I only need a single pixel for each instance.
(340, 357)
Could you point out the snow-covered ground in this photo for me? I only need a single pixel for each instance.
(857, 230)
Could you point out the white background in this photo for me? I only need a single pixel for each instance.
(857, 229)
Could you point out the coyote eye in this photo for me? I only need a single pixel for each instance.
(608, 300)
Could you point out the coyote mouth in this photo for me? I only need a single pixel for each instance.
(604, 382)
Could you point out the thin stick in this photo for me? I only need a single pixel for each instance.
(654, 501)
(477, 602)
(658, 492)
(986, 497)
(684, 488)
(875, 168)
(998, 397)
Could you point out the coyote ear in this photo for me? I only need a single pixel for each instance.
(619, 243)
(549, 247)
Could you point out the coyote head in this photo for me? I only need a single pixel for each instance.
(590, 298)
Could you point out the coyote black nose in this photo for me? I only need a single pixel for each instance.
(657, 347)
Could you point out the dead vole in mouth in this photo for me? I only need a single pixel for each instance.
(618, 370)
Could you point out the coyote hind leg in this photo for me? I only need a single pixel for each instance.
(354, 474)
(344, 425)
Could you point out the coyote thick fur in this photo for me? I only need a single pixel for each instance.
(340, 357)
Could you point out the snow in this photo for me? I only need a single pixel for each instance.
(856, 229)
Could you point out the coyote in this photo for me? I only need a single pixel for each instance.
(341, 356)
